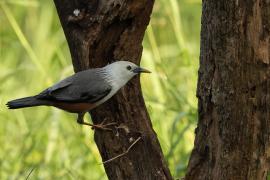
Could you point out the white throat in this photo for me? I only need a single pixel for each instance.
(116, 77)
(115, 82)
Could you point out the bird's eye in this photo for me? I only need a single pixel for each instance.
(129, 68)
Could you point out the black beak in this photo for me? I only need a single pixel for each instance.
(140, 70)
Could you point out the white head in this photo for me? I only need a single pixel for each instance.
(120, 72)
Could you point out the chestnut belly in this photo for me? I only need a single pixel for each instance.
(74, 107)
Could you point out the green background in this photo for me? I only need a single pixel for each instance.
(49, 142)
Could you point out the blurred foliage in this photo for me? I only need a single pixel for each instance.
(48, 142)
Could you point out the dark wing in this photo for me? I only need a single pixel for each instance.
(85, 86)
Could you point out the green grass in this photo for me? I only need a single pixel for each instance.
(34, 55)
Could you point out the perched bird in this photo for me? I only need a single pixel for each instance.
(84, 90)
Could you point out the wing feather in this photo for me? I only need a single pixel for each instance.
(85, 86)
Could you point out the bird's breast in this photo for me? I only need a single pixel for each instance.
(74, 107)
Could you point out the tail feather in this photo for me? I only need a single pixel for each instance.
(25, 102)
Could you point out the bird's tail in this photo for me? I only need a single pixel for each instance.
(25, 102)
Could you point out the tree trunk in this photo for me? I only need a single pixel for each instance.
(100, 32)
(233, 133)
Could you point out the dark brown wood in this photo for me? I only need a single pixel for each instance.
(233, 133)
(98, 33)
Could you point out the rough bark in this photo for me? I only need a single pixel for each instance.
(100, 32)
(233, 133)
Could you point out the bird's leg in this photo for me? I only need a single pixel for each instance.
(81, 121)
(101, 126)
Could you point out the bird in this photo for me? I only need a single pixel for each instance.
(84, 90)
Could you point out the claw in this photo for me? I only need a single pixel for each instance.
(101, 126)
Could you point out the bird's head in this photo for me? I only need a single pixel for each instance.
(123, 71)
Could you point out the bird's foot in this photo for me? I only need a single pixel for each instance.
(103, 126)
(100, 126)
